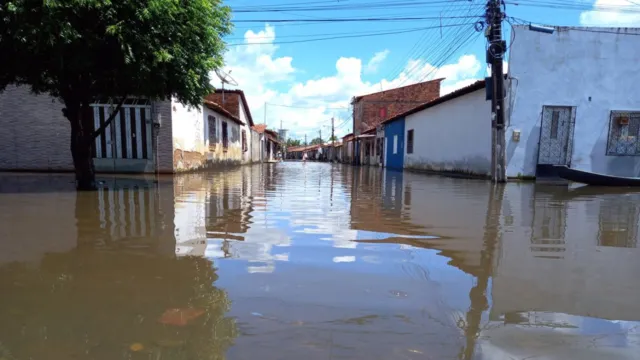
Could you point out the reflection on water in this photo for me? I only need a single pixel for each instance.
(314, 261)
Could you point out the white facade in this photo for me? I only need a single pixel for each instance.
(453, 136)
(198, 138)
(590, 71)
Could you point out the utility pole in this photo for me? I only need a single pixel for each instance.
(265, 113)
(305, 139)
(320, 135)
(495, 55)
(333, 140)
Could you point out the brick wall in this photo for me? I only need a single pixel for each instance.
(231, 102)
(34, 135)
(370, 110)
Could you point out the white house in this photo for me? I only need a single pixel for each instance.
(575, 102)
(449, 134)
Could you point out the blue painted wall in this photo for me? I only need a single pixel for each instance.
(391, 130)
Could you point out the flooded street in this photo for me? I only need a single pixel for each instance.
(315, 261)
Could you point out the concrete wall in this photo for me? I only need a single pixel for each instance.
(588, 69)
(255, 146)
(452, 136)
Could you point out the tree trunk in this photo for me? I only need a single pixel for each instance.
(82, 143)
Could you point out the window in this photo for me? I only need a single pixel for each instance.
(624, 129)
(213, 138)
(395, 144)
(244, 141)
(410, 141)
(225, 136)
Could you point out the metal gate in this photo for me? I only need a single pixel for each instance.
(129, 134)
(556, 135)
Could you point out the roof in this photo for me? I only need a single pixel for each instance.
(350, 134)
(478, 85)
(245, 104)
(260, 128)
(219, 109)
(357, 98)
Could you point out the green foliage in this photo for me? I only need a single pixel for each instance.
(317, 141)
(83, 49)
(293, 142)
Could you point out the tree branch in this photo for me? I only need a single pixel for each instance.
(104, 126)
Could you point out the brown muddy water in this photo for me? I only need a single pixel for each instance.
(315, 261)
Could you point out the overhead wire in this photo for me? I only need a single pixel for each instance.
(337, 37)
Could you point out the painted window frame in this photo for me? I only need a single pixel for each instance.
(410, 137)
(623, 139)
(395, 144)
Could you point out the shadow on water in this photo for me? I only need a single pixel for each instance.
(320, 261)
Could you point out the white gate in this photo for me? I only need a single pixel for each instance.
(129, 134)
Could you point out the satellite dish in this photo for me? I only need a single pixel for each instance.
(225, 78)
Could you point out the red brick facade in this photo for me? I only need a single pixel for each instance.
(231, 101)
(371, 110)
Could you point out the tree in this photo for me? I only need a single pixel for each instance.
(79, 51)
(293, 142)
(333, 138)
(317, 141)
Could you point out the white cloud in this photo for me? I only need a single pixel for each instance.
(605, 13)
(375, 61)
(263, 74)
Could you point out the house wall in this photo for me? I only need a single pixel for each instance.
(189, 152)
(394, 130)
(452, 136)
(192, 148)
(587, 69)
(255, 147)
(35, 136)
(371, 110)
(233, 154)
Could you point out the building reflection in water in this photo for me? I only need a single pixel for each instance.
(320, 261)
(92, 274)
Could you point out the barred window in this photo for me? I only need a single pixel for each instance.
(624, 129)
(213, 135)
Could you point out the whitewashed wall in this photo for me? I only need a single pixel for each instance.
(591, 69)
(191, 143)
(452, 136)
(234, 153)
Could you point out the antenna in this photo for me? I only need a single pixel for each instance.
(225, 78)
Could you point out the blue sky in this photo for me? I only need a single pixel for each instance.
(315, 80)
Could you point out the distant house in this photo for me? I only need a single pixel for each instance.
(576, 101)
(449, 134)
(370, 111)
(270, 144)
(145, 137)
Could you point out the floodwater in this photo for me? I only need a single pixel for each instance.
(315, 261)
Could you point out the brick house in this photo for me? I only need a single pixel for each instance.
(369, 111)
(143, 138)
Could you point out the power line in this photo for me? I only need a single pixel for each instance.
(342, 37)
(372, 19)
(350, 6)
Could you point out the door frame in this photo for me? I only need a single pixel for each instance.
(546, 169)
